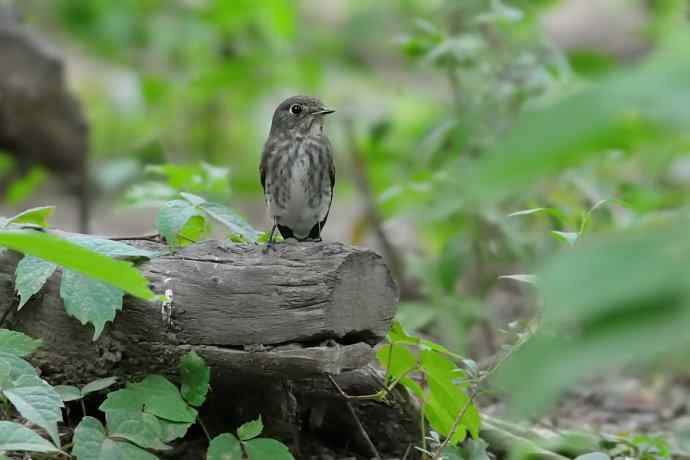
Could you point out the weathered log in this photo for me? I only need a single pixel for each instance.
(271, 326)
(41, 122)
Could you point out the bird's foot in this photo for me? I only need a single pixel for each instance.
(269, 247)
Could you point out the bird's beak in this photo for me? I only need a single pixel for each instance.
(323, 111)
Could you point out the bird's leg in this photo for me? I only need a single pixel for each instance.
(318, 238)
(270, 244)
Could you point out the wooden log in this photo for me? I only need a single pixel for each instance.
(271, 326)
(303, 310)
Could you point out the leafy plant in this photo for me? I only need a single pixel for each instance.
(228, 447)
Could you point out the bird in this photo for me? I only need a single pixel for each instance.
(297, 170)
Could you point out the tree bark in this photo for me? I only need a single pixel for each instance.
(271, 326)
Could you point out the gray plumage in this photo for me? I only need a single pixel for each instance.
(297, 170)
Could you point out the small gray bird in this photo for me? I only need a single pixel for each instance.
(297, 170)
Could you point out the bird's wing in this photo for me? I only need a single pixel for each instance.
(331, 175)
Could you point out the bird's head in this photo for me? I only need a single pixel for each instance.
(299, 114)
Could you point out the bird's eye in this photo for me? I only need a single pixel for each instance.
(296, 109)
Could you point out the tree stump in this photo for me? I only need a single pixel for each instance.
(272, 327)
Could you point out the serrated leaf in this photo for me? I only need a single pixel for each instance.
(251, 429)
(72, 256)
(68, 392)
(90, 300)
(224, 447)
(37, 402)
(162, 399)
(195, 375)
(36, 216)
(265, 449)
(14, 436)
(91, 443)
(98, 385)
(231, 220)
(31, 274)
(135, 426)
(178, 217)
(18, 344)
(110, 247)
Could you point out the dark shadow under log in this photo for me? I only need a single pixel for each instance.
(272, 327)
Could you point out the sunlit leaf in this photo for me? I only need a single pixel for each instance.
(16, 343)
(14, 436)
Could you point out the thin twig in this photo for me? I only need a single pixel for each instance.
(146, 237)
(203, 427)
(395, 261)
(407, 452)
(360, 427)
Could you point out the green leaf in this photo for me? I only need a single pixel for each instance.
(90, 300)
(36, 216)
(195, 375)
(48, 247)
(180, 223)
(162, 399)
(111, 248)
(91, 443)
(135, 426)
(267, 449)
(446, 399)
(31, 274)
(172, 430)
(14, 436)
(37, 402)
(523, 278)
(17, 366)
(566, 237)
(250, 430)
(124, 399)
(224, 447)
(98, 385)
(18, 344)
(21, 188)
(195, 200)
(231, 220)
(413, 316)
(399, 360)
(68, 392)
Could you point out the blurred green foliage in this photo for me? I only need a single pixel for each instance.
(464, 113)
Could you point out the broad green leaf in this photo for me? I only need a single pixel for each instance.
(125, 399)
(179, 217)
(231, 220)
(265, 449)
(18, 344)
(36, 216)
(17, 366)
(399, 360)
(31, 274)
(92, 443)
(195, 200)
(162, 399)
(68, 392)
(224, 447)
(21, 188)
(195, 376)
(138, 427)
(111, 248)
(250, 430)
(446, 399)
(90, 300)
(37, 402)
(172, 430)
(14, 436)
(5, 371)
(69, 255)
(98, 385)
